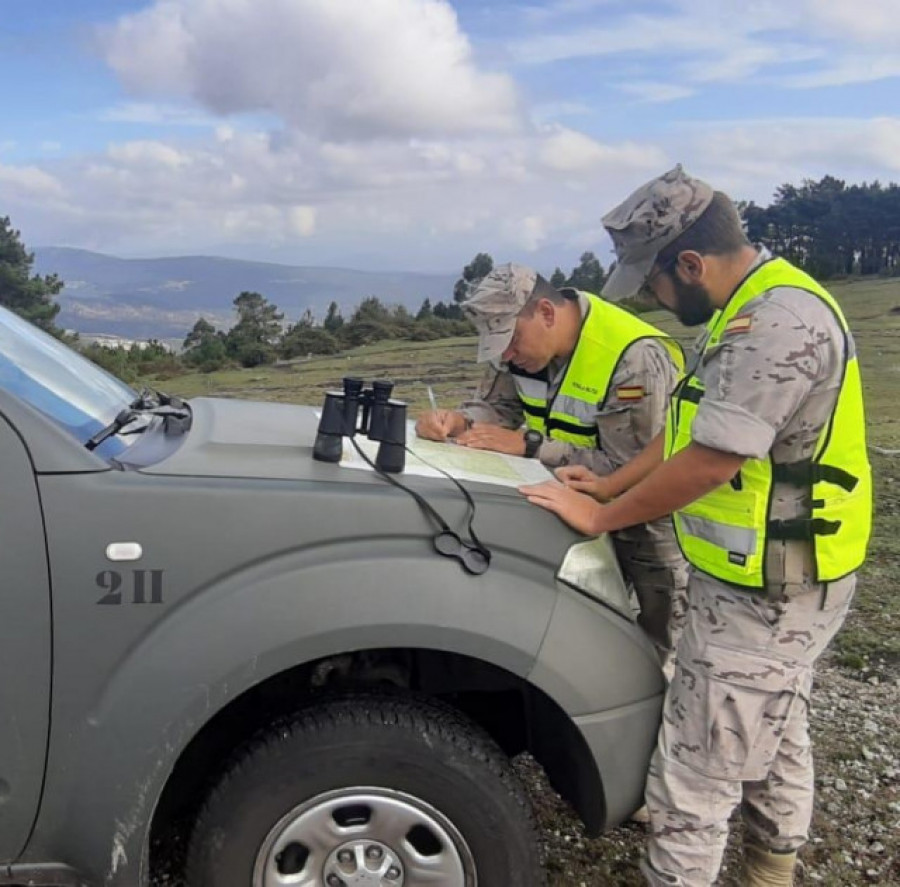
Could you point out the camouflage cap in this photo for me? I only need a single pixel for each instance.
(650, 219)
(494, 304)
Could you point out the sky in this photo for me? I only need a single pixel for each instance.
(411, 134)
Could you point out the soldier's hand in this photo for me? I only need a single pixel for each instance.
(584, 481)
(440, 424)
(484, 436)
(580, 512)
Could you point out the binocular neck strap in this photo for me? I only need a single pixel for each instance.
(475, 544)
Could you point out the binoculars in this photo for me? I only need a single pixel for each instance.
(380, 419)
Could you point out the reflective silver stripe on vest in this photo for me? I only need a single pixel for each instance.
(741, 540)
(583, 411)
(531, 389)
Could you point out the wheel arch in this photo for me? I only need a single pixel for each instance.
(517, 715)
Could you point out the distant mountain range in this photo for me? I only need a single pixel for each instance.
(162, 298)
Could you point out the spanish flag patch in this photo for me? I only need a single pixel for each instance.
(739, 324)
(630, 392)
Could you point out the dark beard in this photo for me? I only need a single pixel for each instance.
(692, 303)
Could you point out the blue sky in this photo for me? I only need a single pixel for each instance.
(411, 134)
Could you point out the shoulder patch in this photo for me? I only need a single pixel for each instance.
(740, 324)
(630, 392)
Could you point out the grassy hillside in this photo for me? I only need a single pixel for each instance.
(873, 309)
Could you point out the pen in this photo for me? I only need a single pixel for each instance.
(431, 397)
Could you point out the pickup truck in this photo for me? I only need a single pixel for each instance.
(216, 647)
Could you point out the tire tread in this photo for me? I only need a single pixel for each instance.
(408, 714)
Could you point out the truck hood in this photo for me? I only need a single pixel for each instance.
(244, 438)
(266, 441)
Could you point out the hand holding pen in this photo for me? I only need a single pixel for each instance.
(438, 424)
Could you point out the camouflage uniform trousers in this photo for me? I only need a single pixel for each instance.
(651, 559)
(735, 725)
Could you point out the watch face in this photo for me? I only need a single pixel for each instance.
(533, 440)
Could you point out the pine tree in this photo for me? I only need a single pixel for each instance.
(253, 339)
(558, 278)
(479, 267)
(29, 296)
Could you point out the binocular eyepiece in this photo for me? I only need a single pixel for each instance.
(380, 419)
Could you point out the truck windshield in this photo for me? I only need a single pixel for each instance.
(59, 382)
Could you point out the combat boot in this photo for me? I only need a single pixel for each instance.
(763, 868)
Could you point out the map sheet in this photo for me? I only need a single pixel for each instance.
(463, 463)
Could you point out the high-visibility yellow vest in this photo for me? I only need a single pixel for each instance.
(571, 415)
(725, 532)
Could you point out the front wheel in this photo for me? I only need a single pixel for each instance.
(367, 791)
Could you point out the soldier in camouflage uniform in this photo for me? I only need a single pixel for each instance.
(769, 380)
(629, 414)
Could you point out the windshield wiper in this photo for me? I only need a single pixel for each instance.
(147, 403)
(149, 399)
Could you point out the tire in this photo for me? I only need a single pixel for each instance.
(367, 790)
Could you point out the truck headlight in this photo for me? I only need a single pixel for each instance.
(592, 567)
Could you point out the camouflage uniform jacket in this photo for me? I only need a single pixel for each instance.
(625, 425)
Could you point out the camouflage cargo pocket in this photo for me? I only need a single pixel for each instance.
(727, 712)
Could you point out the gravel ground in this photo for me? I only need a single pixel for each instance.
(855, 838)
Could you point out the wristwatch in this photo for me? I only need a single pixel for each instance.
(533, 441)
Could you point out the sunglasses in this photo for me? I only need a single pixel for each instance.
(645, 291)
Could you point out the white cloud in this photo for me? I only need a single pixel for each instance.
(155, 114)
(148, 154)
(547, 12)
(420, 203)
(255, 191)
(874, 23)
(850, 69)
(750, 158)
(28, 183)
(383, 67)
(569, 151)
(551, 111)
(326, 130)
(640, 34)
(526, 233)
(653, 92)
(747, 60)
(706, 42)
(302, 220)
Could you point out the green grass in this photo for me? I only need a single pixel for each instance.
(447, 365)
(868, 305)
(872, 307)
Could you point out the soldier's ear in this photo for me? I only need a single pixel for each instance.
(691, 266)
(546, 310)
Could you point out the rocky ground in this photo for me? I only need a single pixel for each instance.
(855, 837)
(855, 723)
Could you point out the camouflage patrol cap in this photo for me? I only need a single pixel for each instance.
(649, 220)
(494, 304)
